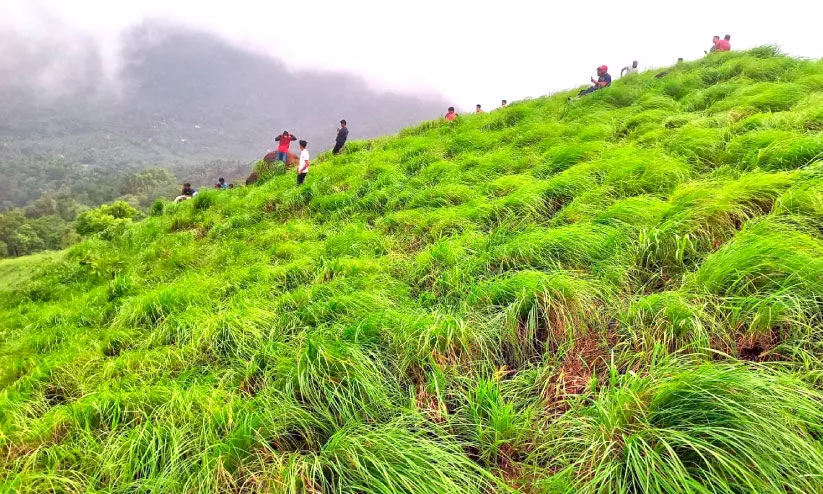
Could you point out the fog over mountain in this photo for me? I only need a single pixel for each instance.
(176, 96)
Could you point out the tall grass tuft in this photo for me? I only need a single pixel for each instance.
(712, 427)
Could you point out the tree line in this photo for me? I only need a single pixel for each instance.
(51, 204)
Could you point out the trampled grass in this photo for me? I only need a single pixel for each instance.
(618, 294)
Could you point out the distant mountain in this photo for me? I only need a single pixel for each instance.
(179, 96)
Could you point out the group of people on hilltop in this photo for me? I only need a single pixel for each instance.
(451, 115)
(604, 79)
(720, 44)
(188, 191)
(284, 140)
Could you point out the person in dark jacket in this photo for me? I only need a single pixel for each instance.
(342, 135)
(187, 193)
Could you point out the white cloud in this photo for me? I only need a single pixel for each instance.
(469, 51)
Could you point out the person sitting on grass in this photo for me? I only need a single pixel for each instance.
(451, 116)
(187, 193)
(303, 166)
(664, 73)
(283, 149)
(720, 44)
(504, 104)
(479, 109)
(629, 69)
(603, 80)
(221, 184)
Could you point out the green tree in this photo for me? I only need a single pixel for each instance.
(104, 217)
(25, 241)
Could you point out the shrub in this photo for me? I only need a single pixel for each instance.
(105, 217)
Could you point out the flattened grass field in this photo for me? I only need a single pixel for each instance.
(617, 294)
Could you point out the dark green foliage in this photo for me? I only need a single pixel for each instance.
(105, 217)
(56, 193)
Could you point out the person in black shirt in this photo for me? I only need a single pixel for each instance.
(603, 80)
(187, 193)
(342, 135)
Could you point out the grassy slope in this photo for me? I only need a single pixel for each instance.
(621, 294)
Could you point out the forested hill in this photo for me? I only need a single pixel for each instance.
(616, 294)
(179, 96)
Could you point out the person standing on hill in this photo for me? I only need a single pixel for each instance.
(283, 149)
(303, 166)
(451, 116)
(603, 80)
(342, 135)
(479, 109)
(504, 104)
(629, 69)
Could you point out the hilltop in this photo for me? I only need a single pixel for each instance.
(615, 294)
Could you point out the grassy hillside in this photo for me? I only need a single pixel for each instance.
(618, 294)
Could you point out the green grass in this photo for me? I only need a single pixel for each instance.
(622, 293)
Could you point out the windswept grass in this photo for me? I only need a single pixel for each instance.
(618, 294)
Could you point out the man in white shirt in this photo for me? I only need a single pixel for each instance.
(303, 165)
(629, 69)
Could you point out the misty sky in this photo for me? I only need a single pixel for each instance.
(468, 51)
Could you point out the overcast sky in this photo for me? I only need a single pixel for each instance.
(470, 51)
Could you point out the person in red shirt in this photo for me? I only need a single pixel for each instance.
(285, 140)
(724, 44)
(720, 44)
(451, 116)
